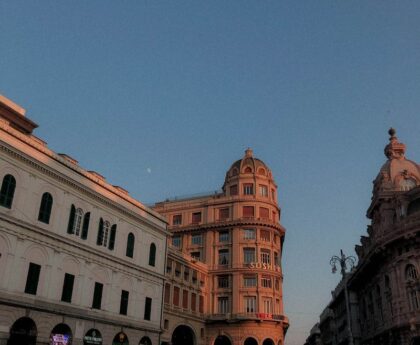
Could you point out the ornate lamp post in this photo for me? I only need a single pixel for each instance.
(344, 261)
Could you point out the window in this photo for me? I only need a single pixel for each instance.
(263, 190)
(176, 296)
(250, 281)
(223, 213)
(177, 219)
(68, 284)
(185, 299)
(248, 189)
(249, 255)
(45, 208)
(152, 255)
(276, 259)
(196, 255)
(85, 228)
(224, 257)
(193, 301)
(223, 282)
(249, 234)
(197, 239)
(166, 324)
(130, 245)
(277, 284)
(194, 276)
(234, 190)
(177, 269)
(250, 304)
(169, 266)
(167, 298)
(176, 241)
(112, 237)
(265, 235)
(266, 281)
(147, 308)
(379, 303)
(196, 217)
(413, 294)
(103, 231)
(264, 213)
(248, 211)
(224, 236)
(124, 302)
(223, 305)
(97, 296)
(186, 274)
(410, 273)
(7, 191)
(201, 304)
(268, 305)
(32, 278)
(75, 221)
(273, 194)
(265, 256)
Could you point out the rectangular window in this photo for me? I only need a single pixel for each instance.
(223, 305)
(223, 282)
(277, 284)
(268, 305)
(169, 266)
(124, 302)
(264, 213)
(176, 241)
(249, 255)
(177, 269)
(224, 257)
(201, 304)
(196, 255)
(265, 235)
(147, 308)
(250, 304)
(197, 239)
(97, 296)
(274, 216)
(32, 278)
(234, 190)
(223, 213)
(273, 194)
(194, 277)
(185, 299)
(177, 219)
(67, 292)
(276, 259)
(248, 211)
(263, 190)
(167, 293)
(249, 234)
(266, 281)
(265, 256)
(277, 311)
(193, 301)
(196, 217)
(248, 189)
(250, 281)
(186, 274)
(224, 236)
(176, 296)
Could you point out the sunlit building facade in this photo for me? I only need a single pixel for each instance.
(231, 242)
(81, 262)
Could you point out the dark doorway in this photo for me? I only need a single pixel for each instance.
(61, 335)
(120, 339)
(222, 340)
(146, 341)
(23, 332)
(250, 341)
(268, 342)
(183, 335)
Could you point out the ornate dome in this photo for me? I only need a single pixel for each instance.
(398, 173)
(247, 166)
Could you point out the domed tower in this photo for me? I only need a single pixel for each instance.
(237, 235)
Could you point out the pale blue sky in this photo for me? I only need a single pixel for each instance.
(162, 96)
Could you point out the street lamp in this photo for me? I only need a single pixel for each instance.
(344, 261)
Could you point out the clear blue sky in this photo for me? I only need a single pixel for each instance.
(162, 96)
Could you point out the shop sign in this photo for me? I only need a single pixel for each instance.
(264, 266)
(60, 339)
(92, 337)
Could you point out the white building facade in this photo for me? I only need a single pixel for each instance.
(81, 262)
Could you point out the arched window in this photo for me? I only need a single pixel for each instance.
(112, 237)
(7, 191)
(130, 245)
(75, 221)
(152, 254)
(85, 228)
(103, 230)
(410, 273)
(45, 208)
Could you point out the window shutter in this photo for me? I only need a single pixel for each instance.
(100, 238)
(112, 237)
(85, 229)
(70, 227)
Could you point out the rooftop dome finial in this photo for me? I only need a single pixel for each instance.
(394, 149)
(248, 152)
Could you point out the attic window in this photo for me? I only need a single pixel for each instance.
(261, 171)
(248, 170)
